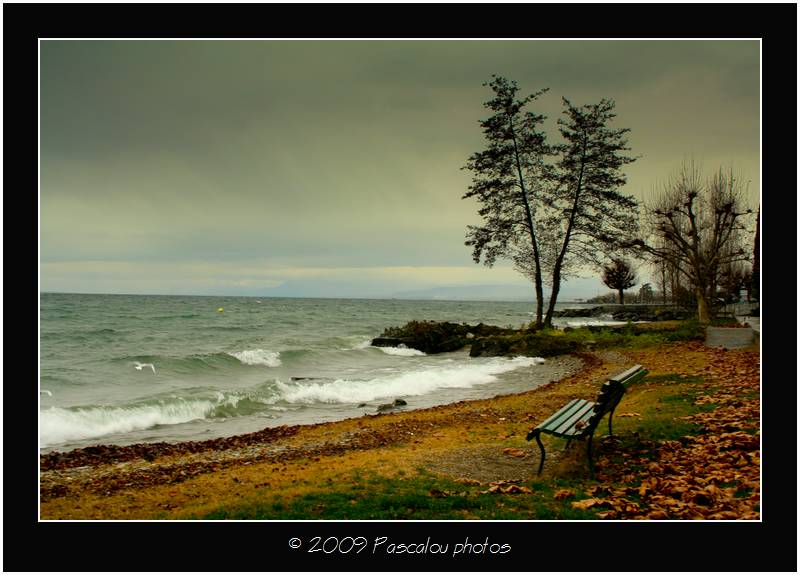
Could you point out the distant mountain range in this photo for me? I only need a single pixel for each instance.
(577, 289)
(474, 293)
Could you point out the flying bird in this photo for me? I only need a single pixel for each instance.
(139, 366)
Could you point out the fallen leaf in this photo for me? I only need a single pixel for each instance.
(516, 489)
(657, 514)
(588, 503)
(563, 494)
(514, 452)
(467, 481)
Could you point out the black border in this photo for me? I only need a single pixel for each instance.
(551, 546)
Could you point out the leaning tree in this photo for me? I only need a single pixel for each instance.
(698, 226)
(507, 177)
(594, 217)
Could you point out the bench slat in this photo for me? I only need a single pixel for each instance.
(565, 411)
(567, 427)
(623, 377)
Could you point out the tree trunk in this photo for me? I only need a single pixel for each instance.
(548, 319)
(551, 306)
(529, 219)
(621, 298)
(539, 303)
(754, 286)
(703, 315)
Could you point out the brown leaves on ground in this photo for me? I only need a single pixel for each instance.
(467, 481)
(506, 487)
(514, 452)
(714, 475)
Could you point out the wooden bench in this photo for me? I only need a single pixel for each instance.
(580, 417)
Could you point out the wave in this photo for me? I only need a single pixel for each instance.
(418, 382)
(258, 357)
(401, 350)
(178, 316)
(203, 363)
(58, 425)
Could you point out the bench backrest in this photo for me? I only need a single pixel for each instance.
(612, 391)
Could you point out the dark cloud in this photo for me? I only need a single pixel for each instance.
(342, 152)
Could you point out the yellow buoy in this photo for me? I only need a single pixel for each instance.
(221, 309)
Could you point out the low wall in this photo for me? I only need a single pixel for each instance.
(730, 337)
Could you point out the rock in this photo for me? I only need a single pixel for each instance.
(388, 406)
(386, 342)
(435, 337)
(362, 405)
(532, 344)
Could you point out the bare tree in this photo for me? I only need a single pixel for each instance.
(754, 289)
(620, 276)
(697, 226)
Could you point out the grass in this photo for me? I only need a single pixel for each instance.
(548, 342)
(419, 497)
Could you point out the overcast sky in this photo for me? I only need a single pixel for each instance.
(332, 168)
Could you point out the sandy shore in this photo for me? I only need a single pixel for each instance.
(464, 439)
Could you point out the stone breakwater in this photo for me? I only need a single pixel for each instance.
(636, 312)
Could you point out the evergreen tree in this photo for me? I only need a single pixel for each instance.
(620, 276)
(508, 177)
(595, 216)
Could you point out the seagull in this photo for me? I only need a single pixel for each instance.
(139, 366)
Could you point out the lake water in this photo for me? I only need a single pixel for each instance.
(126, 369)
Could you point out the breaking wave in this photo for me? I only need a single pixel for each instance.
(258, 357)
(418, 382)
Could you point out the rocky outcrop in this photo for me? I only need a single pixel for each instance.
(436, 337)
(523, 343)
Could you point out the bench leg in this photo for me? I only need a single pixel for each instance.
(541, 448)
(610, 417)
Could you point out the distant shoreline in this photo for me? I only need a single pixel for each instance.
(331, 298)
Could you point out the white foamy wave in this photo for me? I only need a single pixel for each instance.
(417, 382)
(401, 350)
(258, 357)
(594, 323)
(58, 425)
